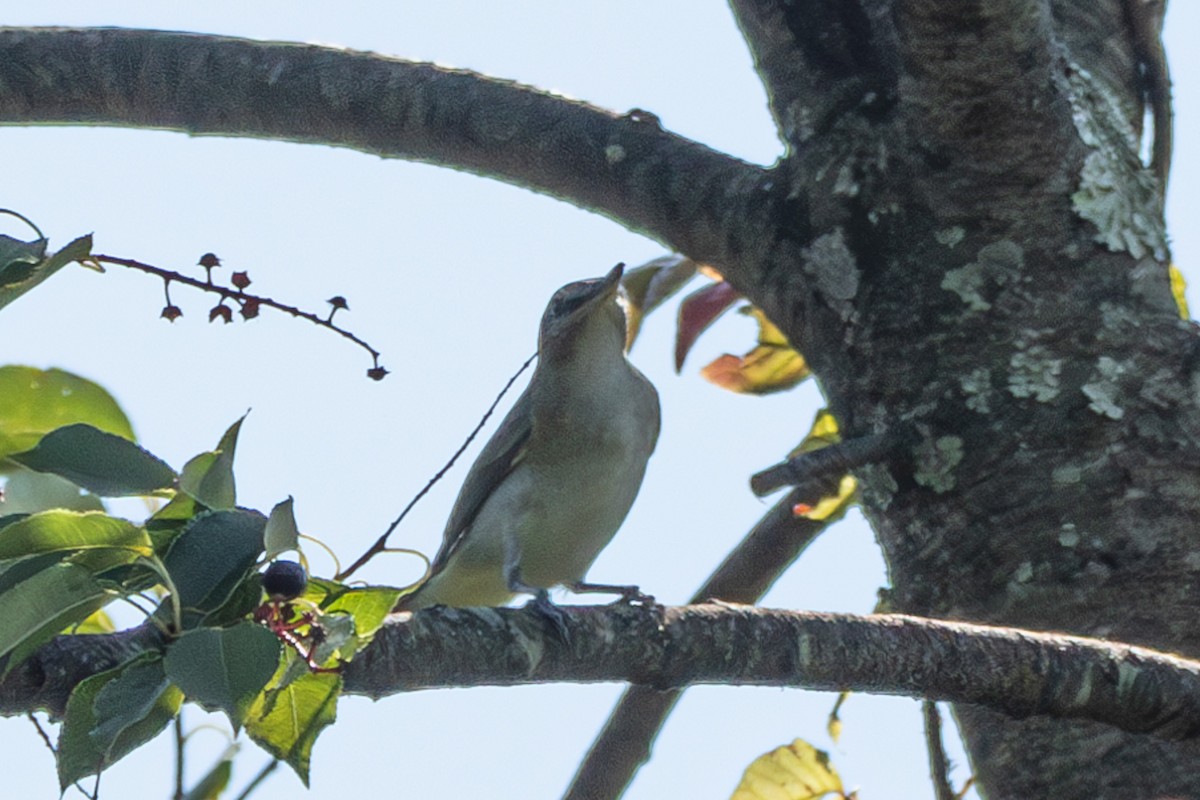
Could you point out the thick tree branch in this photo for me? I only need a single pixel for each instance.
(1017, 673)
(628, 168)
(818, 59)
(45, 680)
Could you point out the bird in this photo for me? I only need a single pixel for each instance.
(551, 487)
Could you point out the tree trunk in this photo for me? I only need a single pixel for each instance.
(971, 250)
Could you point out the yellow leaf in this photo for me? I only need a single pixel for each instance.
(824, 432)
(834, 724)
(796, 772)
(1178, 285)
(831, 505)
(772, 366)
(98, 622)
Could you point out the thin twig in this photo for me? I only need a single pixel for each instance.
(179, 740)
(25, 219)
(42, 733)
(262, 775)
(381, 543)
(53, 750)
(233, 293)
(939, 765)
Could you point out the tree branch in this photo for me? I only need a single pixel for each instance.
(627, 168)
(1017, 673)
(818, 59)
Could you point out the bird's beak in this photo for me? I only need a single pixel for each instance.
(611, 282)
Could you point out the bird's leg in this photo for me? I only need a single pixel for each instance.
(541, 602)
(629, 594)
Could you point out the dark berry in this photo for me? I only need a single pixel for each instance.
(284, 580)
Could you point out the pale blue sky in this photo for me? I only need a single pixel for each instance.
(447, 274)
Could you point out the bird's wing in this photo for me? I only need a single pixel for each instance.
(495, 461)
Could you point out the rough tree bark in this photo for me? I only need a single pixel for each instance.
(960, 238)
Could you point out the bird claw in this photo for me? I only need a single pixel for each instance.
(629, 595)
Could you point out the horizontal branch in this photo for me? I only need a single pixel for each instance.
(1018, 673)
(625, 167)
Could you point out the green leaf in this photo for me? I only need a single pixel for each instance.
(18, 274)
(13, 572)
(51, 531)
(102, 463)
(216, 781)
(19, 259)
(368, 605)
(43, 604)
(209, 476)
(212, 556)
(224, 668)
(97, 733)
(281, 533)
(127, 699)
(286, 722)
(34, 402)
(27, 492)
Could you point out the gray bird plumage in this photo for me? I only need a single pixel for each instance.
(554, 483)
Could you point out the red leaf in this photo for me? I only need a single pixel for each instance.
(698, 311)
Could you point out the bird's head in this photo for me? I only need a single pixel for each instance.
(584, 309)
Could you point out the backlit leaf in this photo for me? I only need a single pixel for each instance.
(287, 722)
(34, 402)
(1178, 290)
(697, 312)
(27, 492)
(796, 772)
(51, 531)
(772, 366)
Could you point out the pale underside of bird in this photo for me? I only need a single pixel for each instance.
(554, 483)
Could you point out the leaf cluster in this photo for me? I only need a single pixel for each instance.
(270, 666)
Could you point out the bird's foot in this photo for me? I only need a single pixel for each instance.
(630, 595)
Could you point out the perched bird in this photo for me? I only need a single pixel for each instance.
(554, 483)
